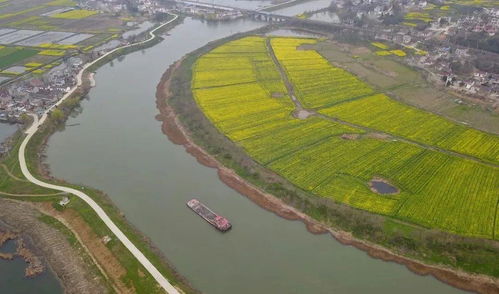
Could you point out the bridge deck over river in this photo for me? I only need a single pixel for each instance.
(258, 13)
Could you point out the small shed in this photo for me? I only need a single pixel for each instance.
(64, 201)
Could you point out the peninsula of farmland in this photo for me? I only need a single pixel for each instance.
(331, 134)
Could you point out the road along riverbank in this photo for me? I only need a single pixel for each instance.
(180, 132)
(37, 123)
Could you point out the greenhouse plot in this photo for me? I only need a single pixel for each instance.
(16, 36)
(44, 38)
(74, 39)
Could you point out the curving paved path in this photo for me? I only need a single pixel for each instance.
(162, 281)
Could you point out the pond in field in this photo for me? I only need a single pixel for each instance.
(118, 147)
(141, 28)
(382, 187)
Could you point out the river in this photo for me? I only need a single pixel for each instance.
(118, 147)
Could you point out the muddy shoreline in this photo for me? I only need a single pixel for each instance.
(24, 250)
(175, 131)
(50, 245)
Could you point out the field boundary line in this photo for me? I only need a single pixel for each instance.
(495, 221)
(10, 174)
(409, 141)
(32, 195)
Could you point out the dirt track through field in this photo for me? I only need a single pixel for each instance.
(309, 112)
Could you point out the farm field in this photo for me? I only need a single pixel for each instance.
(12, 55)
(52, 29)
(75, 14)
(311, 75)
(384, 114)
(390, 75)
(246, 99)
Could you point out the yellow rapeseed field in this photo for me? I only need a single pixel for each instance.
(75, 14)
(437, 165)
(52, 52)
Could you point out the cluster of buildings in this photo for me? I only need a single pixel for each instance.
(38, 93)
(110, 6)
(486, 21)
(456, 69)
(147, 7)
(456, 65)
(482, 85)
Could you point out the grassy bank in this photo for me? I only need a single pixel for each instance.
(428, 245)
(73, 241)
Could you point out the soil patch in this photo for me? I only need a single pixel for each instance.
(302, 114)
(360, 51)
(350, 136)
(94, 245)
(379, 136)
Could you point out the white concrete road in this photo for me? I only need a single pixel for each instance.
(162, 281)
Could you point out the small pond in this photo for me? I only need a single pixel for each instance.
(382, 187)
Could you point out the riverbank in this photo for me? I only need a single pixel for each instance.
(179, 119)
(52, 246)
(118, 263)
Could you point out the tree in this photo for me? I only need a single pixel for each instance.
(160, 16)
(57, 114)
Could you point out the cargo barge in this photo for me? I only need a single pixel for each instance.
(219, 222)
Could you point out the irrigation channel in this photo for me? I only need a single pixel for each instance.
(118, 147)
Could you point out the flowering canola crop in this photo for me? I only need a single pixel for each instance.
(437, 165)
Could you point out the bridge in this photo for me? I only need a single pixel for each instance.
(260, 14)
(256, 13)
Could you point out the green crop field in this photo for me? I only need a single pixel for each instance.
(12, 55)
(446, 173)
(384, 114)
(75, 14)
